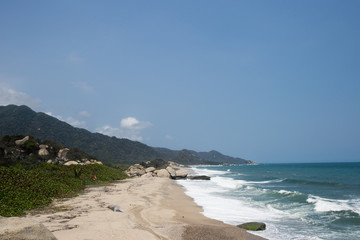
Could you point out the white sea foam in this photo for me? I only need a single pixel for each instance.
(285, 192)
(334, 205)
(228, 182)
(236, 201)
(265, 182)
(232, 211)
(203, 171)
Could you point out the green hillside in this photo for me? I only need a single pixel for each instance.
(22, 120)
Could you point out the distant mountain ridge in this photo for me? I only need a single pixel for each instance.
(23, 120)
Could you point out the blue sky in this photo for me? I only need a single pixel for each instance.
(269, 81)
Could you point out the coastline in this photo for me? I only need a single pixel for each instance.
(153, 208)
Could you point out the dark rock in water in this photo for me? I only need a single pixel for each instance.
(253, 226)
(202, 177)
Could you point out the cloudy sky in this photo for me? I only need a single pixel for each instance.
(269, 81)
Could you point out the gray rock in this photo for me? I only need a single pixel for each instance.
(16, 228)
(163, 173)
(115, 208)
(43, 146)
(135, 170)
(182, 173)
(62, 153)
(201, 177)
(150, 169)
(43, 152)
(22, 141)
(147, 175)
(253, 226)
(71, 163)
(171, 171)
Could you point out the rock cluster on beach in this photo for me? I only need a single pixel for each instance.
(62, 159)
(14, 149)
(173, 171)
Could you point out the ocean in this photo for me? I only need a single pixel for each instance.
(296, 201)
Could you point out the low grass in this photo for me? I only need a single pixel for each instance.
(24, 189)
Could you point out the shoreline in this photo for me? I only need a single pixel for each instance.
(153, 208)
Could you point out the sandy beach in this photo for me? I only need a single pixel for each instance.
(153, 208)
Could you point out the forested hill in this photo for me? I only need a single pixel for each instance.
(24, 121)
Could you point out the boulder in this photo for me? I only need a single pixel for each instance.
(62, 153)
(22, 141)
(43, 146)
(71, 163)
(115, 208)
(163, 173)
(171, 171)
(201, 177)
(16, 228)
(147, 175)
(150, 169)
(253, 226)
(135, 170)
(182, 173)
(43, 152)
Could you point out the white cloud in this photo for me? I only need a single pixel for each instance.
(110, 131)
(130, 128)
(70, 120)
(75, 123)
(85, 114)
(129, 122)
(55, 116)
(133, 124)
(11, 96)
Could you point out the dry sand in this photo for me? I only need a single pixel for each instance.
(153, 208)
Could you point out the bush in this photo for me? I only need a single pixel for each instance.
(24, 189)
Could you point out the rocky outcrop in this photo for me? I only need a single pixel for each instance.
(135, 170)
(173, 171)
(181, 173)
(147, 175)
(62, 154)
(150, 169)
(22, 141)
(68, 163)
(253, 226)
(19, 149)
(201, 177)
(16, 228)
(163, 173)
(43, 150)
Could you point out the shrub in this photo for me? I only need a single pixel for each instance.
(24, 189)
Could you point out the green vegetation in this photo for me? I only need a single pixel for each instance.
(24, 189)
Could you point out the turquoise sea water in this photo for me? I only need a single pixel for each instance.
(296, 201)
